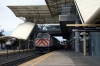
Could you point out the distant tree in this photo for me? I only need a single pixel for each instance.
(1, 41)
(1, 32)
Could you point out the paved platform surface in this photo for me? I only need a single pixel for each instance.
(63, 58)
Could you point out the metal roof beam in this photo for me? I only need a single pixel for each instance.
(35, 14)
(56, 5)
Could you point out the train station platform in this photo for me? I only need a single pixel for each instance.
(63, 58)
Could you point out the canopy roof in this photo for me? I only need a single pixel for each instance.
(5, 37)
(23, 30)
(55, 6)
(39, 13)
(89, 10)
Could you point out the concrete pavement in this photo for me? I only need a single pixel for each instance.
(64, 58)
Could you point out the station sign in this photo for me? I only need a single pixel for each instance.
(86, 29)
(83, 27)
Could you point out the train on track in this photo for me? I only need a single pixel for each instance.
(44, 43)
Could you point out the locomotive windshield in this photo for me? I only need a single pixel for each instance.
(39, 35)
(46, 36)
(43, 35)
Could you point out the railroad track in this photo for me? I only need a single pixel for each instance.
(20, 61)
(15, 59)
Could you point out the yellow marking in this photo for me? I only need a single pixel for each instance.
(36, 60)
(32, 61)
(82, 24)
(41, 59)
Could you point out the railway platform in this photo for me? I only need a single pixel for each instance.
(63, 58)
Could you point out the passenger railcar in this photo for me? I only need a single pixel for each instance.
(44, 43)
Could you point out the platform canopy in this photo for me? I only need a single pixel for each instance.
(89, 10)
(55, 6)
(39, 14)
(23, 31)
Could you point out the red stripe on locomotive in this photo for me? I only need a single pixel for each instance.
(42, 42)
(37, 41)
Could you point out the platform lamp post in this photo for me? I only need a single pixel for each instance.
(13, 39)
(84, 36)
(8, 44)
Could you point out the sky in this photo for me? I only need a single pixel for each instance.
(8, 20)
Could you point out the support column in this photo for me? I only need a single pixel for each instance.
(0, 45)
(19, 43)
(77, 35)
(84, 35)
(19, 47)
(28, 43)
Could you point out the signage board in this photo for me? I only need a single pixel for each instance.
(86, 29)
(83, 27)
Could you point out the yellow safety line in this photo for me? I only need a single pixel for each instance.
(31, 61)
(35, 60)
(41, 59)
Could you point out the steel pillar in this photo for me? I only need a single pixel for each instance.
(84, 35)
(76, 41)
(19, 46)
(28, 44)
(77, 35)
